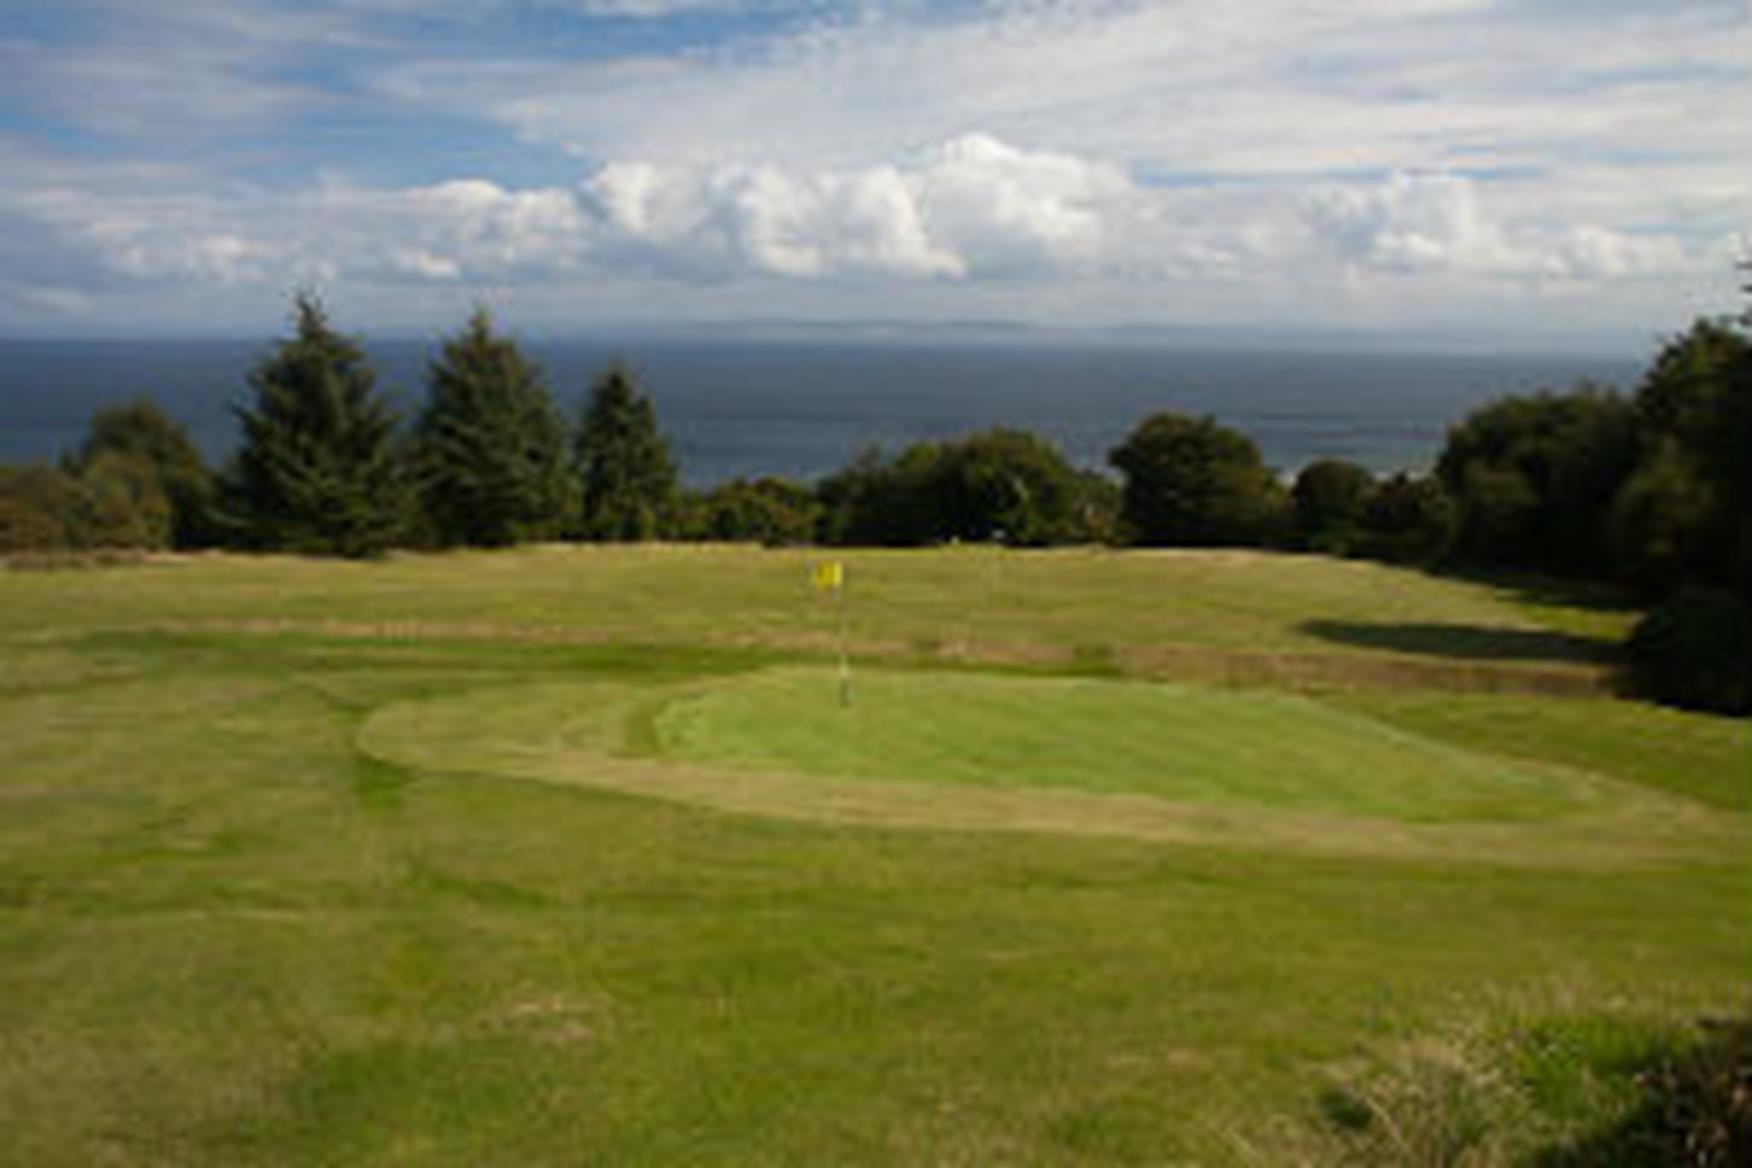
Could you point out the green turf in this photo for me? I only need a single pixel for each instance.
(235, 931)
(1701, 757)
(1095, 601)
(1182, 743)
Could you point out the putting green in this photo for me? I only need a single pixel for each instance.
(1231, 748)
(982, 752)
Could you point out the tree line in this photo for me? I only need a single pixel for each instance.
(1646, 490)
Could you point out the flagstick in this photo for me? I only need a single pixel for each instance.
(845, 662)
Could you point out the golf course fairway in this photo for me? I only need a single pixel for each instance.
(573, 856)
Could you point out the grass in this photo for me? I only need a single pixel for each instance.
(1181, 743)
(1088, 601)
(1697, 756)
(288, 897)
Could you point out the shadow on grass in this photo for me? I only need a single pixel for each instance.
(1467, 642)
(1544, 591)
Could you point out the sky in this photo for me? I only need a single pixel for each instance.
(1566, 174)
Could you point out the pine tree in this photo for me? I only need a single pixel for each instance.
(629, 477)
(317, 471)
(489, 448)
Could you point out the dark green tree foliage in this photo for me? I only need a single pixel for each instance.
(629, 477)
(317, 471)
(114, 501)
(489, 449)
(1660, 524)
(1190, 482)
(999, 485)
(1006, 486)
(127, 506)
(769, 511)
(1695, 650)
(141, 432)
(1327, 504)
(1686, 512)
(42, 508)
(1534, 478)
(1406, 519)
(874, 500)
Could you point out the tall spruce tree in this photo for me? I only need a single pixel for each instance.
(629, 477)
(489, 448)
(317, 471)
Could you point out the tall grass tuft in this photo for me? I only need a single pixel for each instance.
(1590, 1091)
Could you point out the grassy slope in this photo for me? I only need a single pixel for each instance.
(1094, 600)
(1701, 757)
(227, 936)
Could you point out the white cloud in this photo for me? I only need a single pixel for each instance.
(420, 263)
(465, 229)
(973, 227)
(1644, 100)
(1006, 210)
(1157, 160)
(1410, 224)
(487, 228)
(973, 207)
(1261, 86)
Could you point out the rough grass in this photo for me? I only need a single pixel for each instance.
(231, 932)
(956, 599)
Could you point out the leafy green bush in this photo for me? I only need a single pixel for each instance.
(999, 485)
(115, 501)
(1327, 504)
(1406, 520)
(141, 432)
(1692, 1106)
(1687, 512)
(1534, 476)
(768, 511)
(1191, 482)
(1695, 650)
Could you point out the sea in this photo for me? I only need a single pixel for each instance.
(801, 410)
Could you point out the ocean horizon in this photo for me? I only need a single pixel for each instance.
(802, 409)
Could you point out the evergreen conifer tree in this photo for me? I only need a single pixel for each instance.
(629, 477)
(317, 470)
(489, 448)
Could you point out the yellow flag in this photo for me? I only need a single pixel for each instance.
(830, 574)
